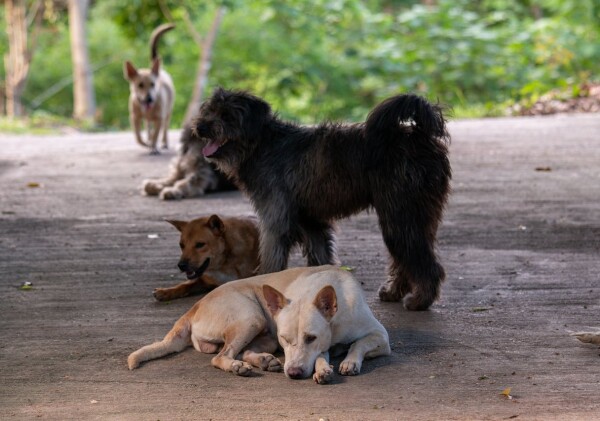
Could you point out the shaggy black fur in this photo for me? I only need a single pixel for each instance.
(301, 179)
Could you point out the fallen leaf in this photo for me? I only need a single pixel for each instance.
(484, 377)
(480, 309)
(93, 401)
(506, 392)
(347, 268)
(543, 169)
(33, 185)
(26, 286)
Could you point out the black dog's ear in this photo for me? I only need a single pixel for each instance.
(257, 114)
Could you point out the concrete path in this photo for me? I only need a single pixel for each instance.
(520, 243)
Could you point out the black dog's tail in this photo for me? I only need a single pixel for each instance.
(409, 122)
(156, 34)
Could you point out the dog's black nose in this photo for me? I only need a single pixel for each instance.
(295, 373)
(183, 265)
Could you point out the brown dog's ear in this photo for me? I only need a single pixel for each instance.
(155, 66)
(180, 225)
(129, 71)
(216, 225)
(326, 302)
(275, 299)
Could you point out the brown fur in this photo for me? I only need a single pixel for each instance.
(213, 251)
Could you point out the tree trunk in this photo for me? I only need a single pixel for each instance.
(84, 100)
(16, 62)
(204, 65)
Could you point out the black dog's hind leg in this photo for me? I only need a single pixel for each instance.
(409, 233)
(318, 243)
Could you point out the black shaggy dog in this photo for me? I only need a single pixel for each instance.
(301, 179)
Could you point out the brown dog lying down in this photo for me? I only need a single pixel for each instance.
(214, 250)
(309, 310)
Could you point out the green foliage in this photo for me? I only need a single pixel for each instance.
(334, 58)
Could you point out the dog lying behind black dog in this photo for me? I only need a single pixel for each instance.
(301, 179)
(189, 176)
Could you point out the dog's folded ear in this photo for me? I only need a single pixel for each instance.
(216, 225)
(180, 225)
(129, 71)
(275, 299)
(326, 302)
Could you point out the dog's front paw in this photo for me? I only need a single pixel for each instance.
(389, 292)
(241, 368)
(349, 368)
(162, 294)
(154, 151)
(171, 193)
(324, 375)
(152, 188)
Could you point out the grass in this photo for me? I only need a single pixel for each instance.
(43, 123)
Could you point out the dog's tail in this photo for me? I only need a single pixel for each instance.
(176, 340)
(156, 34)
(409, 122)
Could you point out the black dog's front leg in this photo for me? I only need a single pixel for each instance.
(274, 250)
(319, 243)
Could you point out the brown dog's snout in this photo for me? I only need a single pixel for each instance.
(295, 373)
(183, 265)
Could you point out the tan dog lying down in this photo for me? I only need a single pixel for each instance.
(312, 308)
(213, 251)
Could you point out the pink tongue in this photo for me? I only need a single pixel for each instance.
(210, 149)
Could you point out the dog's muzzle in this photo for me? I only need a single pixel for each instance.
(190, 273)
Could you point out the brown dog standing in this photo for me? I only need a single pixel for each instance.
(213, 251)
(152, 96)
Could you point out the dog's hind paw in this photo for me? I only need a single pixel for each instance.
(349, 368)
(415, 302)
(588, 337)
(241, 368)
(324, 375)
(269, 362)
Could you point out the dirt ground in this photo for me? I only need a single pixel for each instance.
(520, 243)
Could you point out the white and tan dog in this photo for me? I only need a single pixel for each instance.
(309, 309)
(152, 95)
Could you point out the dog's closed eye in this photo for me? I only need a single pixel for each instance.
(200, 245)
(308, 339)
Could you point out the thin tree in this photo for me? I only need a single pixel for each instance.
(206, 44)
(84, 99)
(20, 50)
